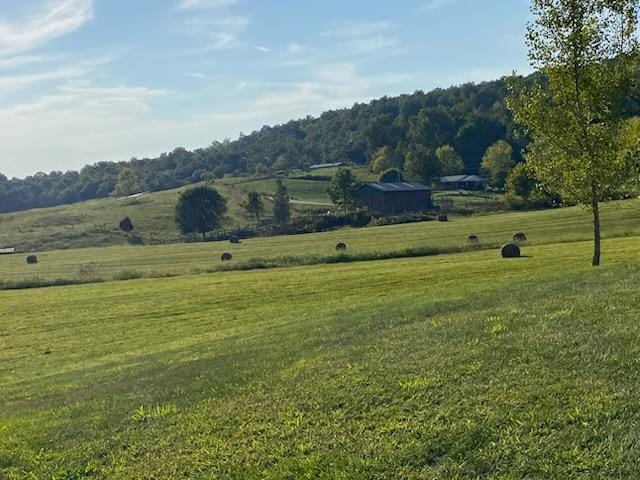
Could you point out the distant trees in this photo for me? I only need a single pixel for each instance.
(381, 133)
(450, 162)
(587, 51)
(200, 210)
(128, 183)
(281, 204)
(253, 206)
(126, 225)
(390, 176)
(344, 190)
(383, 159)
(497, 162)
(421, 164)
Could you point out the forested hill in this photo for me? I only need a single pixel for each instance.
(470, 118)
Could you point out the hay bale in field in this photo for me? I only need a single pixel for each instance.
(226, 257)
(473, 240)
(520, 237)
(510, 250)
(443, 218)
(234, 239)
(32, 259)
(341, 247)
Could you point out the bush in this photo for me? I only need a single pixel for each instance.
(135, 240)
(32, 259)
(510, 250)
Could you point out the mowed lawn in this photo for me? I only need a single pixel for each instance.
(458, 366)
(620, 219)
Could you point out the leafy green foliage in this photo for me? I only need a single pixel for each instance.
(588, 53)
(450, 162)
(421, 164)
(254, 206)
(200, 210)
(281, 205)
(344, 190)
(390, 176)
(497, 162)
(128, 183)
(126, 225)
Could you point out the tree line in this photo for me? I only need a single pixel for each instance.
(424, 134)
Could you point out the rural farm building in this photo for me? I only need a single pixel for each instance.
(319, 166)
(395, 197)
(464, 182)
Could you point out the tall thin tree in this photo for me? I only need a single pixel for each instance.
(587, 54)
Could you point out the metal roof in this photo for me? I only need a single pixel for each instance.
(399, 187)
(326, 165)
(461, 178)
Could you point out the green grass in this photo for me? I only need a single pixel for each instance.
(95, 223)
(620, 219)
(307, 191)
(459, 366)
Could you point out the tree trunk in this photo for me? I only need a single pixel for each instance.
(596, 234)
(204, 236)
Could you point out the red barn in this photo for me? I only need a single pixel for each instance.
(395, 197)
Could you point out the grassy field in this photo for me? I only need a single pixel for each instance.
(95, 223)
(459, 366)
(621, 219)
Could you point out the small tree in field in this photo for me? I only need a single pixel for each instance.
(253, 205)
(344, 189)
(200, 210)
(126, 225)
(281, 207)
(587, 52)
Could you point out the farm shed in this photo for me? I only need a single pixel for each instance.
(319, 166)
(464, 182)
(395, 197)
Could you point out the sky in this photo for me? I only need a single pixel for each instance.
(83, 81)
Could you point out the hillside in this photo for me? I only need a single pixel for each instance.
(449, 367)
(94, 223)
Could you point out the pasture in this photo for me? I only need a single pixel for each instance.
(620, 219)
(447, 367)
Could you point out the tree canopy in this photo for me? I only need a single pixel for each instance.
(577, 113)
(200, 210)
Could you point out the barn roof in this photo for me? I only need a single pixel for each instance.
(399, 187)
(318, 166)
(462, 178)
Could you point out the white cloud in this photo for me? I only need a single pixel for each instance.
(438, 4)
(364, 37)
(263, 49)
(55, 19)
(295, 48)
(192, 4)
(215, 33)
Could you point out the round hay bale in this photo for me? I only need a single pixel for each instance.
(341, 247)
(520, 237)
(226, 257)
(473, 240)
(234, 239)
(510, 250)
(32, 259)
(443, 218)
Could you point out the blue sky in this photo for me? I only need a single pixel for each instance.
(88, 80)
